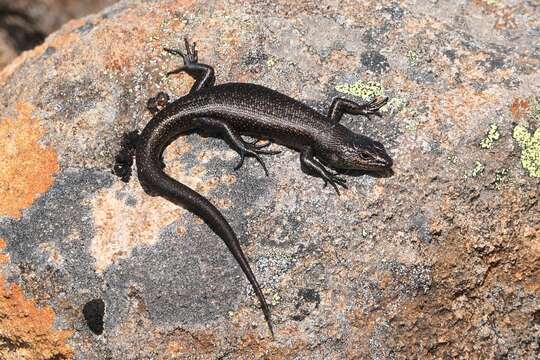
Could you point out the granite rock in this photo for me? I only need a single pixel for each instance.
(440, 260)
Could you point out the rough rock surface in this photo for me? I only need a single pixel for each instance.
(440, 260)
(25, 23)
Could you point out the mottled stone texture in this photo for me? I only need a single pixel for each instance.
(25, 23)
(440, 260)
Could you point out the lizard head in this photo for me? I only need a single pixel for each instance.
(358, 152)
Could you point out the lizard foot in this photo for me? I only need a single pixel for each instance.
(373, 107)
(258, 148)
(191, 56)
(255, 143)
(124, 159)
(158, 102)
(254, 151)
(334, 180)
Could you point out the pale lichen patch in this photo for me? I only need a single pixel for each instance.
(492, 135)
(530, 149)
(54, 253)
(534, 109)
(125, 217)
(477, 170)
(363, 89)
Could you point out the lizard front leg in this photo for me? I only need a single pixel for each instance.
(312, 166)
(342, 106)
(202, 73)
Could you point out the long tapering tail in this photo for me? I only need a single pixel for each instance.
(157, 182)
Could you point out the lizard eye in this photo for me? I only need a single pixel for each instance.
(364, 155)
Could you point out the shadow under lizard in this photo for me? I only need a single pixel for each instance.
(233, 110)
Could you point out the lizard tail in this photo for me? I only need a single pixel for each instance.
(154, 178)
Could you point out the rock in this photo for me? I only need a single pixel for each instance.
(439, 260)
(25, 23)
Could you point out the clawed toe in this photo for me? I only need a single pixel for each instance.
(334, 180)
(341, 182)
(191, 49)
(240, 162)
(256, 156)
(174, 52)
(252, 154)
(176, 71)
(189, 57)
(326, 181)
(375, 105)
(158, 102)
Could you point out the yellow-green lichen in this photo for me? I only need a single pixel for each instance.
(491, 2)
(270, 62)
(477, 169)
(534, 109)
(394, 104)
(501, 177)
(530, 149)
(411, 125)
(452, 159)
(412, 56)
(363, 89)
(275, 299)
(492, 136)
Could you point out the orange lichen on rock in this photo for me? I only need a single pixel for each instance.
(4, 258)
(519, 108)
(26, 167)
(26, 331)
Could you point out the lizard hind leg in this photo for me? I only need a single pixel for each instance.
(124, 158)
(245, 148)
(236, 142)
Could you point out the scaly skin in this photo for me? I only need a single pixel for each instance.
(235, 109)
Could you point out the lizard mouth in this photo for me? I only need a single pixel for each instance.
(380, 163)
(385, 162)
